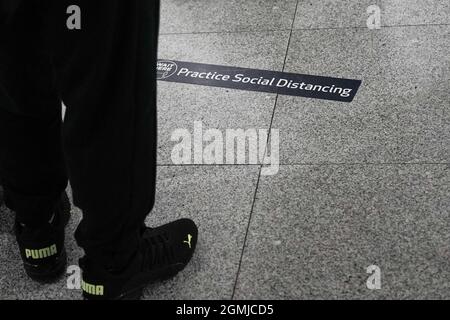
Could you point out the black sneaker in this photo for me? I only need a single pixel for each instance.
(163, 253)
(42, 249)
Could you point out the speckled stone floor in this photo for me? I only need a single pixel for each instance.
(360, 184)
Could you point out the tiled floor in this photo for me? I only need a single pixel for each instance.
(360, 184)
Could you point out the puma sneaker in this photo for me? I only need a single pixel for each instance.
(42, 249)
(162, 254)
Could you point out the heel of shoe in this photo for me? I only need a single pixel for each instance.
(38, 274)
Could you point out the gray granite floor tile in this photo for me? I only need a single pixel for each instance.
(189, 16)
(316, 229)
(401, 113)
(415, 12)
(332, 13)
(257, 50)
(417, 54)
(343, 53)
(414, 79)
(317, 131)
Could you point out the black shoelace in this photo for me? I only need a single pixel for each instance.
(158, 250)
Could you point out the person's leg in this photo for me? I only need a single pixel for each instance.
(107, 75)
(107, 72)
(31, 160)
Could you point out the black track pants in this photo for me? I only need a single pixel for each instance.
(105, 75)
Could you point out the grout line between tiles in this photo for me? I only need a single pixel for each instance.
(301, 29)
(260, 168)
(314, 164)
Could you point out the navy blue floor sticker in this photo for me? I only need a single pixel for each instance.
(291, 84)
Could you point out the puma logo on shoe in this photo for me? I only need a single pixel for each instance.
(41, 253)
(92, 289)
(188, 241)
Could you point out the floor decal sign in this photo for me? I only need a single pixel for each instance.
(291, 84)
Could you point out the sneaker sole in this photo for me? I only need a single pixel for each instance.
(136, 294)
